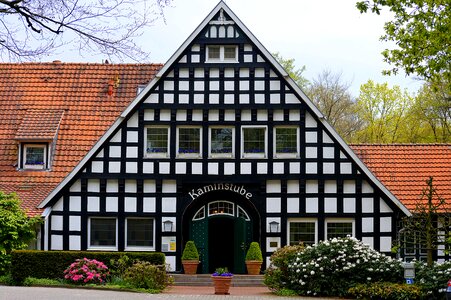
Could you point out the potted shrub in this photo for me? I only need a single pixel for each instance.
(190, 258)
(222, 280)
(254, 259)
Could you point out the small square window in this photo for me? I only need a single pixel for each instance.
(35, 156)
(157, 141)
(221, 142)
(230, 52)
(222, 53)
(189, 143)
(102, 233)
(140, 233)
(214, 52)
(254, 142)
(286, 141)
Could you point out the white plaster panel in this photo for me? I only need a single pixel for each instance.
(310, 122)
(292, 186)
(199, 85)
(93, 204)
(169, 186)
(367, 205)
(199, 98)
(229, 98)
(367, 240)
(273, 205)
(311, 168)
(328, 168)
(100, 154)
(170, 262)
(148, 167)
(149, 186)
(93, 185)
(385, 244)
(229, 168)
(295, 168)
(384, 206)
(262, 115)
(326, 138)
(328, 152)
(199, 73)
(133, 121)
(246, 168)
(311, 137)
(349, 187)
(229, 115)
(278, 115)
(244, 85)
(74, 242)
(197, 115)
(293, 205)
(168, 98)
(181, 115)
(75, 203)
(132, 136)
(366, 187)
(330, 205)
(57, 222)
(149, 204)
(311, 152)
(59, 205)
(246, 115)
(111, 204)
(273, 186)
(244, 72)
(132, 152)
(180, 168)
(349, 205)
(272, 240)
(367, 225)
(213, 115)
(229, 72)
(213, 99)
(291, 99)
(114, 166)
(74, 223)
(259, 72)
(259, 85)
(330, 186)
(262, 168)
(183, 85)
(115, 151)
(57, 242)
(311, 205)
(165, 115)
(164, 167)
(342, 155)
(244, 98)
(112, 186)
(229, 85)
(131, 167)
(149, 115)
(183, 98)
(152, 98)
(274, 98)
(295, 115)
(247, 58)
(278, 168)
(259, 98)
(117, 136)
(385, 224)
(183, 60)
(196, 168)
(130, 186)
(76, 186)
(346, 168)
(183, 73)
(130, 204)
(168, 85)
(259, 58)
(311, 186)
(169, 204)
(274, 85)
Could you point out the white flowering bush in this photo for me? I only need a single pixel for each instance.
(433, 279)
(331, 267)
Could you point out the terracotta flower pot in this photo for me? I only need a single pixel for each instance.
(190, 266)
(253, 267)
(222, 284)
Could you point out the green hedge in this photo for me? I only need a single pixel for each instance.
(51, 264)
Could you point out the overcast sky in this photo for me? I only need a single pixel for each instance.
(320, 34)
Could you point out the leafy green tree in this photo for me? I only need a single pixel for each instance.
(294, 72)
(421, 32)
(16, 229)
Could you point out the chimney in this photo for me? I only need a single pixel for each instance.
(110, 87)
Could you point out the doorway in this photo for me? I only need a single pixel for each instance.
(220, 243)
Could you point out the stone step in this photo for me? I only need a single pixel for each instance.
(205, 280)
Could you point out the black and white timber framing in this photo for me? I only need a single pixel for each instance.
(323, 181)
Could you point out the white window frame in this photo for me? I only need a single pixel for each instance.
(221, 54)
(189, 155)
(254, 155)
(24, 156)
(196, 218)
(139, 248)
(302, 220)
(240, 209)
(224, 213)
(159, 155)
(210, 140)
(338, 220)
(286, 155)
(94, 247)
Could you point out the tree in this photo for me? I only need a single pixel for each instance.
(421, 31)
(30, 29)
(334, 100)
(295, 74)
(16, 229)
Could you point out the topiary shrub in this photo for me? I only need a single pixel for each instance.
(146, 276)
(190, 252)
(254, 252)
(385, 290)
(433, 279)
(331, 267)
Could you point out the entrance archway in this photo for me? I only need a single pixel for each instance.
(222, 231)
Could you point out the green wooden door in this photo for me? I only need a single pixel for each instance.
(199, 234)
(240, 241)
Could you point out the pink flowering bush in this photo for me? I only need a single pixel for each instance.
(86, 271)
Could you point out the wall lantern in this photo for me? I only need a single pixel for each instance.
(273, 226)
(167, 226)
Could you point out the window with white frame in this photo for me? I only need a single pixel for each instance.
(222, 53)
(221, 141)
(339, 228)
(102, 233)
(157, 141)
(189, 141)
(221, 208)
(139, 233)
(302, 231)
(286, 141)
(254, 142)
(34, 156)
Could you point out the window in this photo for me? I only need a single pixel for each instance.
(189, 143)
(302, 231)
(102, 233)
(242, 213)
(157, 141)
(140, 233)
(286, 141)
(339, 228)
(222, 53)
(35, 156)
(220, 208)
(254, 142)
(221, 142)
(200, 214)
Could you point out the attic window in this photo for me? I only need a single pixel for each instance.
(222, 53)
(35, 156)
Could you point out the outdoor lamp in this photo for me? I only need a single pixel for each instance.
(167, 226)
(273, 226)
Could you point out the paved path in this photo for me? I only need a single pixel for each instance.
(48, 293)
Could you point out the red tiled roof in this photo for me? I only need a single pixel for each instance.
(404, 168)
(92, 97)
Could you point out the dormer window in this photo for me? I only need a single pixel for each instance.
(35, 156)
(222, 53)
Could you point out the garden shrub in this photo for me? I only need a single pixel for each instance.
(276, 275)
(331, 267)
(86, 271)
(190, 251)
(146, 276)
(51, 264)
(120, 265)
(385, 290)
(254, 252)
(433, 279)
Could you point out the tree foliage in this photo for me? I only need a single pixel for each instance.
(294, 72)
(30, 29)
(421, 31)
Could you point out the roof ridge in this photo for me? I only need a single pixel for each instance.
(82, 63)
(400, 144)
